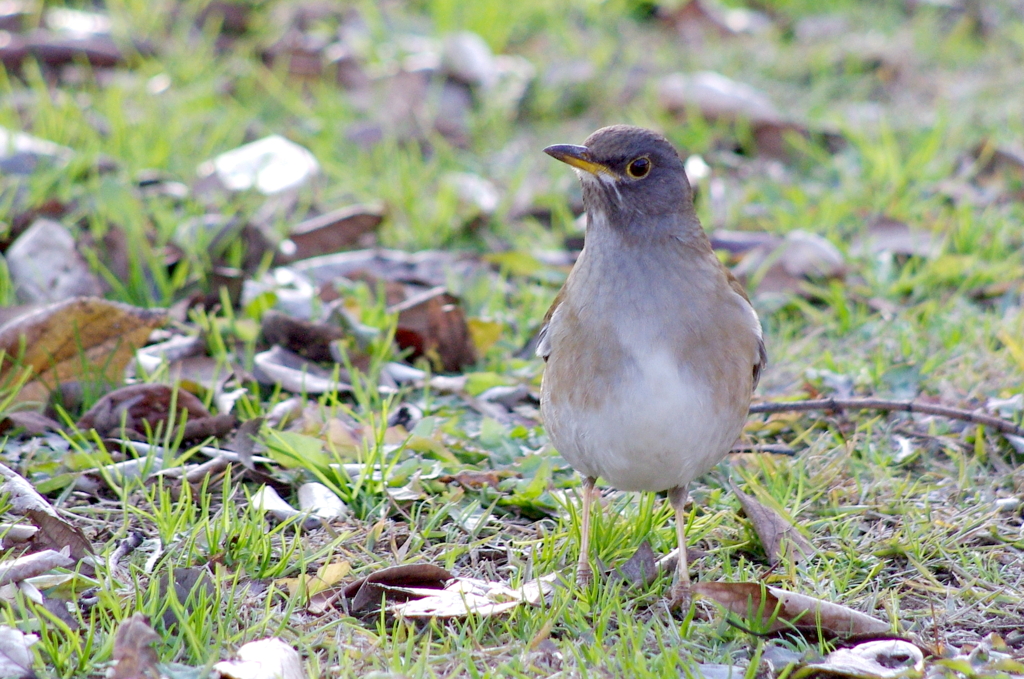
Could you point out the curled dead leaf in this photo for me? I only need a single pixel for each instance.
(776, 609)
(263, 659)
(134, 657)
(433, 324)
(779, 537)
(883, 659)
(54, 532)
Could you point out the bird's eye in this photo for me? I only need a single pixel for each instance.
(639, 168)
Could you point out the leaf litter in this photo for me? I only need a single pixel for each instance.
(477, 449)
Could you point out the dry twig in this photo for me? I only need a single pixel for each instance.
(837, 405)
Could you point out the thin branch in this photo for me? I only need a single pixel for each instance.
(838, 405)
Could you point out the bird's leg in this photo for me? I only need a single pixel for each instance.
(584, 573)
(680, 593)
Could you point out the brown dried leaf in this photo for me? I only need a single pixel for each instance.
(54, 532)
(55, 49)
(738, 242)
(433, 324)
(308, 339)
(245, 441)
(31, 423)
(778, 536)
(999, 169)
(137, 405)
(781, 610)
(214, 426)
(367, 591)
(186, 586)
(332, 232)
(77, 338)
(715, 97)
(134, 656)
(642, 567)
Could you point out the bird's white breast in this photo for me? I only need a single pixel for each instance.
(658, 430)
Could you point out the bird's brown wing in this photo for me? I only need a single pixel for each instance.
(762, 353)
(543, 346)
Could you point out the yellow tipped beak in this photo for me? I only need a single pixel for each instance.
(578, 157)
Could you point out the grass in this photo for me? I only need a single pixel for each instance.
(903, 511)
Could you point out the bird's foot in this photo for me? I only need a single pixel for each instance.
(680, 597)
(584, 575)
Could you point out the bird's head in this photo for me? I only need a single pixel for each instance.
(628, 173)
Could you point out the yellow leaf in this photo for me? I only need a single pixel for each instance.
(79, 338)
(484, 333)
(1013, 346)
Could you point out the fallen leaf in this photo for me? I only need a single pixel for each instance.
(31, 565)
(885, 234)
(738, 242)
(427, 267)
(267, 501)
(884, 659)
(15, 655)
(270, 165)
(45, 265)
(693, 17)
(263, 659)
(57, 49)
(54, 532)
(245, 441)
(715, 97)
(782, 610)
(76, 339)
(718, 671)
(278, 366)
(187, 586)
(642, 567)
(321, 501)
(22, 154)
(332, 232)
(778, 536)
(138, 405)
(433, 324)
(366, 592)
(134, 656)
(786, 266)
(470, 596)
(303, 54)
(999, 169)
(28, 422)
(327, 576)
(309, 339)
(485, 334)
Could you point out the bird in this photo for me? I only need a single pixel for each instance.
(652, 348)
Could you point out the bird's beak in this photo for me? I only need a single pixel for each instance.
(579, 157)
